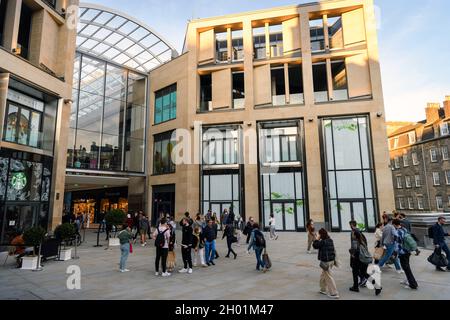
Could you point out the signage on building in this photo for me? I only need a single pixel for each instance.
(25, 100)
(18, 180)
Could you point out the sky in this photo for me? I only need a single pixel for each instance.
(413, 39)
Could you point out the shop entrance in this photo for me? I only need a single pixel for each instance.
(163, 201)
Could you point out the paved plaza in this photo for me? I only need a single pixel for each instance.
(295, 275)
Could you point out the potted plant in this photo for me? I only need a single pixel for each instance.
(115, 218)
(32, 237)
(64, 233)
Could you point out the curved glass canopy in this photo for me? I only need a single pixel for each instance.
(116, 37)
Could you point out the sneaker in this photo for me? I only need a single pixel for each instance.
(336, 296)
(183, 270)
(208, 264)
(124, 270)
(309, 252)
(439, 269)
(400, 271)
(323, 292)
(189, 270)
(378, 291)
(390, 266)
(363, 283)
(156, 273)
(166, 274)
(354, 289)
(142, 245)
(264, 270)
(405, 283)
(204, 265)
(212, 262)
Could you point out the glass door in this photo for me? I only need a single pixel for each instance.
(352, 210)
(285, 215)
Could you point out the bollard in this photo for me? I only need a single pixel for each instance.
(98, 236)
(76, 245)
(38, 266)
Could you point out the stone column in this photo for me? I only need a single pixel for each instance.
(4, 80)
(12, 21)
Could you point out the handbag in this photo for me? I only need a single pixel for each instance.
(131, 248)
(438, 259)
(378, 253)
(266, 260)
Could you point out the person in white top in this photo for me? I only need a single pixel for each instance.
(272, 225)
(162, 237)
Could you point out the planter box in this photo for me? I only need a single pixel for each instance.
(29, 263)
(65, 255)
(114, 242)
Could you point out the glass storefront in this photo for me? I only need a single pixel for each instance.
(108, 117)
(281, 174)
(349, 173)
(25, 184)
(93, 202)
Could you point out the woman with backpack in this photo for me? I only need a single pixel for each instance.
(162, 238)
(360, 257)
(327, 258)
(406, 245)
(257, 243)
(231, 238)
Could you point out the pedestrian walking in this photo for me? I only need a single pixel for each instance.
(125, 238)
(231, 238)
(404, 252)
(248, 228)
(311, 234)
(273, 227)
(389, 244)
(378, 254)
(258, 244)
(360, 257)
(439, 235)
(327, 258)
(198, 243)
(162, 237)
(216, 230)
(143, 228)
(186, 245)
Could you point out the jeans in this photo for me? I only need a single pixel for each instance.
(444, 247)
(187, 257)
(404, 260)
(259, 261)
(389, 252)
(125, 251)
(161, 254)
(210, 249)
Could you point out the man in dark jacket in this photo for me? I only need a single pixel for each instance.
(210, 242)
(186, 246)
(439, 239)
(187, 216)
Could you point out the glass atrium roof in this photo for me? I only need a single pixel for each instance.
(114, 36)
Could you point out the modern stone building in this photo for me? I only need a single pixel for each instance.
(297, 88)
(420, 161)
(37, 47)
(109, 117)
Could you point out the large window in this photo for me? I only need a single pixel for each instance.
(282, 192)
(163, 145)
(220, 146)
(108, 117)
(30, 117)
(220, 191)
(278, 86)
(259, 43)
(320, 82)
(335, 32)
(339, 75)
(316, 30)
(206, 92)
(237, 45)
(351, 191)
(166, 104)
(221, 47)
(24, 36)
(276, 40)
(279, 142)
(238, 90)
(296, 84)
(3, 4)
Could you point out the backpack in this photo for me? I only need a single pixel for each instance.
(259, 239)
(160, 239)
(409, 244)
(364, 255)
(430, 233)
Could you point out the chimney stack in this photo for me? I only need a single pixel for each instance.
(432, 112)
(447, 106)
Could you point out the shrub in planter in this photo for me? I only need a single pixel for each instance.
(34, 237)
(65, 232)
(115, 218)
